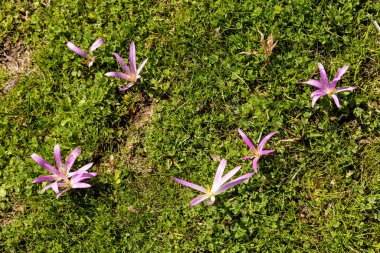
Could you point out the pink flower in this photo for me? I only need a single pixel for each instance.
(63, 172)
(326, 88)
(89, 59)
(131, 73)
(218, 186)
(257, 152)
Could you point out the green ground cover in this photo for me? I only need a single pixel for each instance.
(320, 190)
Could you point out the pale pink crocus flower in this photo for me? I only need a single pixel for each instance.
(218, 186)
(326, 88)
(257, 152)
(90, 59)
(131, 72)
(63, 172)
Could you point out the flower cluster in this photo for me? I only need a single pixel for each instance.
(219, 185)
(131, 72)
(62, 176)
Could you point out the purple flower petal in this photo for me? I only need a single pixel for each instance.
(315, 83)
(345, 88)
(9, 86)
(191, 185)
(338, 76)
(117, 74)
(122, 63)
(44, 164)
(132, 57)
(71, 158)
(317, 93)
(315, 98)
(336, 100)
(43, 179)
(211, 202)
(265, 152)
(254, 164)
(198, 200)
(57, 156)
(54, 186)
(323, 75)
(225, 178)
(81, 170)
(62, 192)
(127, 86)
(76, 50)
(80, 185)
(247, 140)
(96, 44)
(264, 141)
(141, 67)
(234, 182)
(47, 187)
(247, 157)
(219, 171)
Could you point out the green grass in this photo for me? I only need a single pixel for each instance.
(320, 193)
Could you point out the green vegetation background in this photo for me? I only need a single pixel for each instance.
(318, 193)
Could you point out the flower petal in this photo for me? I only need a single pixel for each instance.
(264, 141)
(122, 63)
(224, 179)
(44, 164)
(76, 50)
(62, 192)
(323, 75)
(345, 88)
(219, 172)
(338, 76)
(247, 140)
(247, 157)
(315, 83)
(315, 98)
(265, 152)
(211, 202)
(198, 200)
(57, 156)
(54, 186)
(96, 44)
(132, 57)
(234, 182)
(71, 158)
(80, 185)
(43, 179)
(127, 86)
(191, 185)
(81, 170)
(336, 100)
(254, 164)
(117, 74)
(317, 93)
(141, 66)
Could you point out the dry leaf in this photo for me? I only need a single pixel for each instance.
(132, 210)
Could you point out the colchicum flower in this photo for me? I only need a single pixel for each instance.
(131, 73)
(257, 152)
(70, 179)
(326, 88)
(89, 59)
(218, 186)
